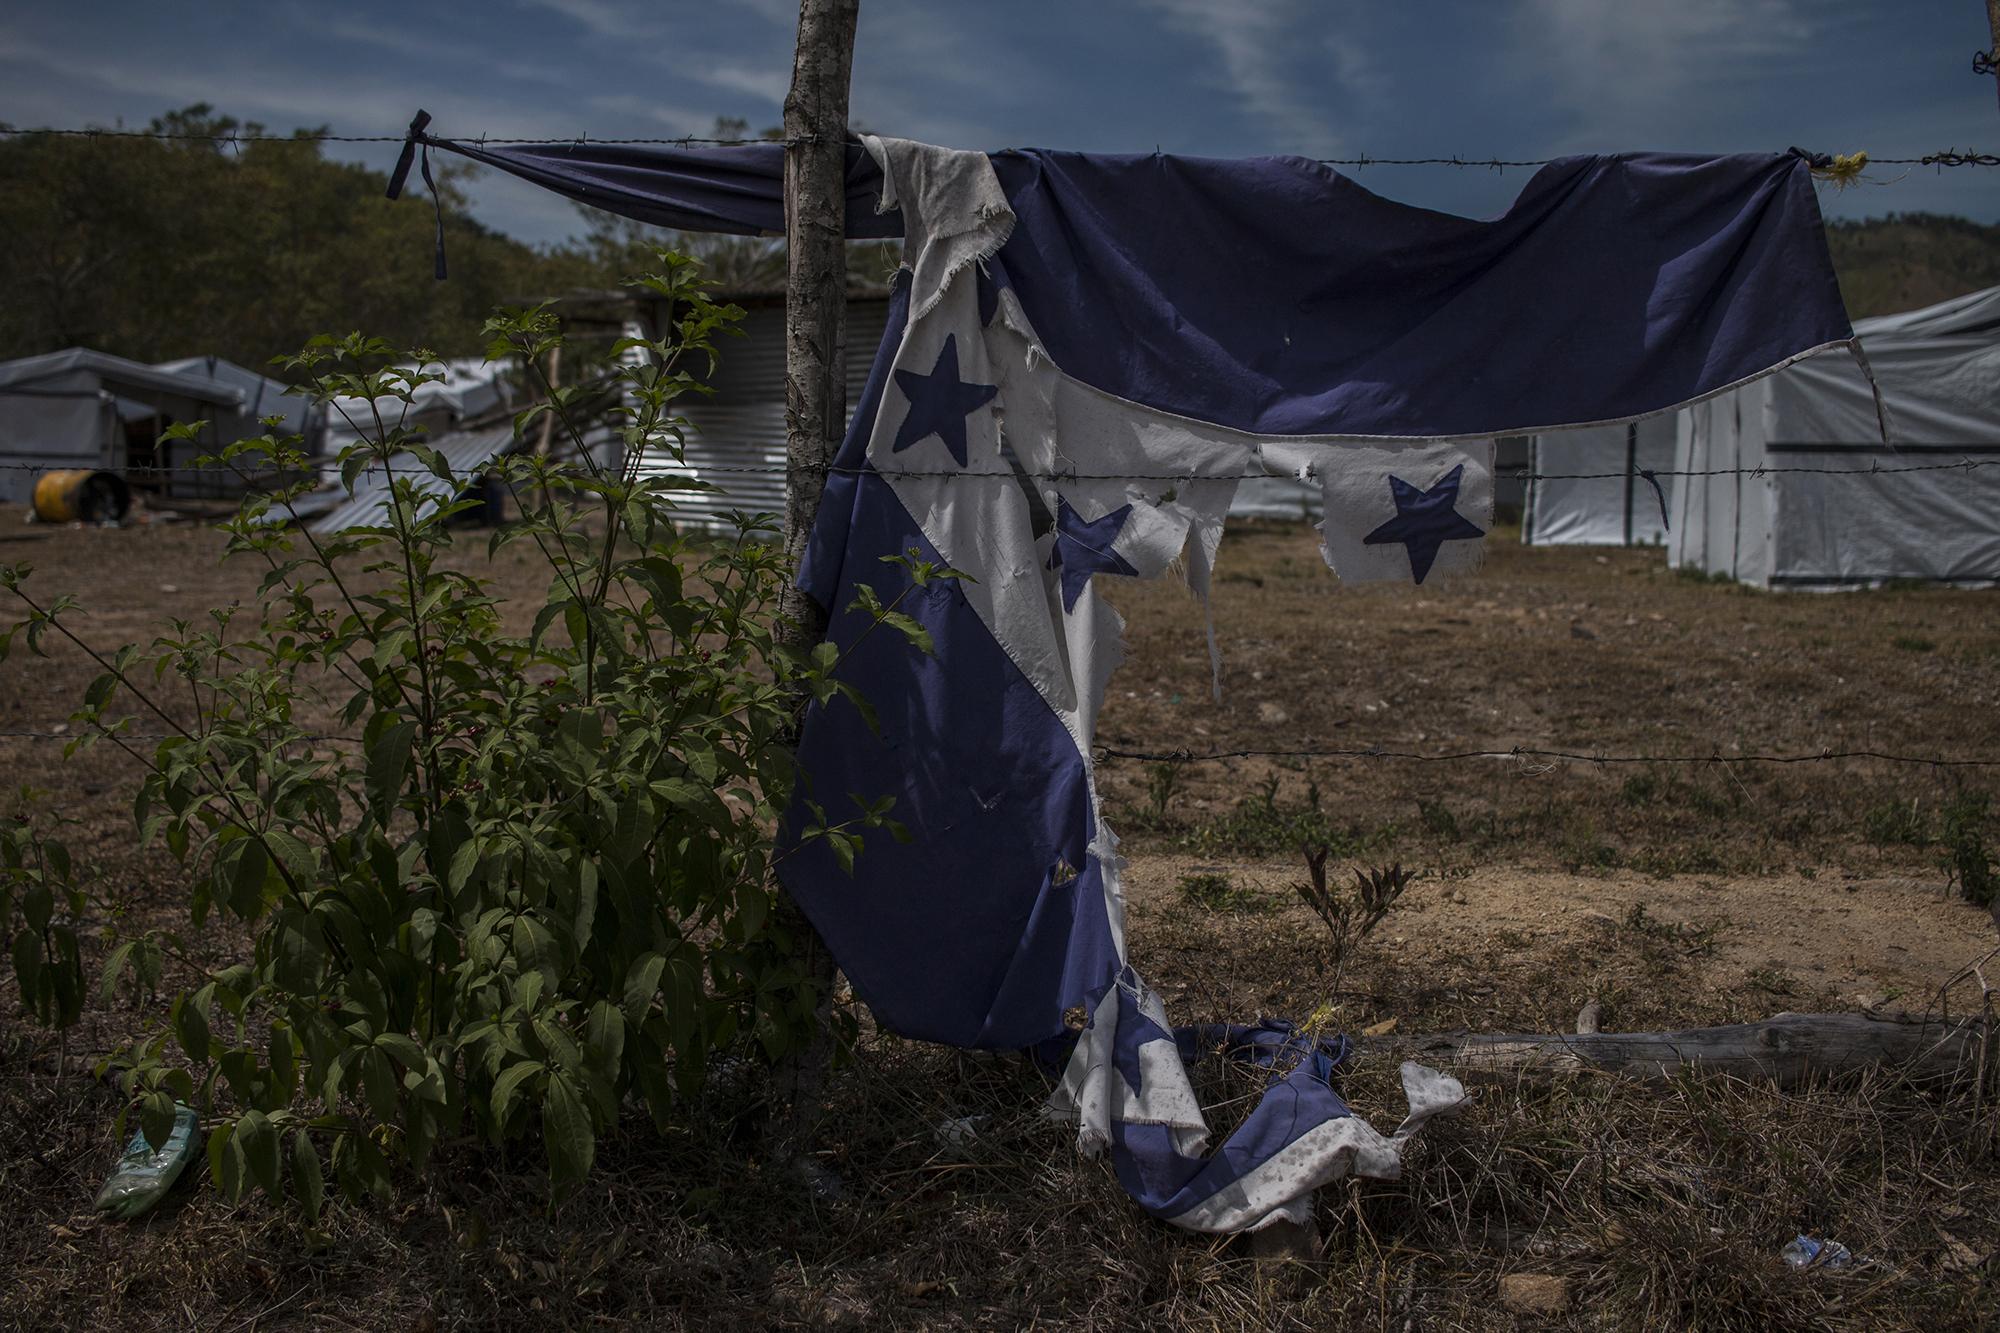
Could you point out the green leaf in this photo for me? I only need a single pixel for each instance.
(642, 982)
(604, 1038)
(156, 1117)
(308, 1179)
(246, 879)
(219, 1140)
(378, 1080)
(258, 1139)
(190, 1028)
(388, 762)
(114, 966)
(405, 1050)
(566, 1129)
(508, 1085)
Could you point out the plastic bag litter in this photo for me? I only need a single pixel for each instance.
(145, 1173)
(1812, 1252)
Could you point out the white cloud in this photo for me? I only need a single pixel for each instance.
(630, 107)
(769, 84)
(1623, 68)
(1258, 50)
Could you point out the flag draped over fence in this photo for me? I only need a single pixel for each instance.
(1085, 355)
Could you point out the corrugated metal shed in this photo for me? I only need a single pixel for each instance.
(467, 451)
(742, 425)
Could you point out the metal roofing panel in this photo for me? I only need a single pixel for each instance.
(736, 443)
(467, 451)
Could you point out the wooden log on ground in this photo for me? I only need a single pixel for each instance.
(1788, 1049)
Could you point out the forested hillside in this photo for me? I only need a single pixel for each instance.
(1907, 260)
(155, 249)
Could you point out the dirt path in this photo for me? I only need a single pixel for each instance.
(1670, 951)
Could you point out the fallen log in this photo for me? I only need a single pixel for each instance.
(1788, 1049)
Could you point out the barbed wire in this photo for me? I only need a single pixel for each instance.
(313, 137)
(86, 733)
(697, 469)
(1950, 157)
(1108, 754)
(1105, 754)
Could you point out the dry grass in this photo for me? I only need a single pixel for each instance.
(1663, 1207)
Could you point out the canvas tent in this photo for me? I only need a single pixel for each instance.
(262, 397)
(1939, 371)
(470, 388)
(1611, 503)
(85, 409)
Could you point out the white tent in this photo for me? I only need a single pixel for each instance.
(1611, 503)
(85, 409)
(262, 397)
(1939, 371)
(470, 388)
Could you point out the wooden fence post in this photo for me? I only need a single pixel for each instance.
(815, 418)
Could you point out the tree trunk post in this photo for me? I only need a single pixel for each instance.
(815, 418)
(1993, 22)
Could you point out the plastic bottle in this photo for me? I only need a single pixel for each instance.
(1810, 1252)
(146, 1173)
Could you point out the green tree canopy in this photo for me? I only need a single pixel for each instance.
(154, 248)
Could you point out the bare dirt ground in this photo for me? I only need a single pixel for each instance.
(1675, 894)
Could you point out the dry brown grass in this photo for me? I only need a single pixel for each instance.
(1663, 1207)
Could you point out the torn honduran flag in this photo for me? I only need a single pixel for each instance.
(980, 448)
(1087, 354)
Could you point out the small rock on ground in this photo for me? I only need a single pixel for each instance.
(1534, 1293)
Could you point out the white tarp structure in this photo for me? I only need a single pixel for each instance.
(262, 397)
(85, 409)
(1598, 495)
(1939, 372)
(471, 388)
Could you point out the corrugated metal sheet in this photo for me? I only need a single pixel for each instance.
(467, 451)
(742, 425)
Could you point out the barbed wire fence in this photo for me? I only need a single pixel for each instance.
(1875, 468)
(1947, 157)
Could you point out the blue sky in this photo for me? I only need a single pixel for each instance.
(1479, 78)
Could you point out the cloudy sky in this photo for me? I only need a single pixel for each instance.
(1476, 78)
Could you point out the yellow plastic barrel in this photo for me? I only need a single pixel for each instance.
(81, 495)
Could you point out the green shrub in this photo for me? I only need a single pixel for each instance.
(530, 877)
(1214, 892)
(1896, 823)
(40, 906)
(1964, 855)
(1262, 825)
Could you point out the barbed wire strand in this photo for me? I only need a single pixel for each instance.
(697, 469)
(1949, 157)
(682, 141)
(85, 733)
(1105, 754)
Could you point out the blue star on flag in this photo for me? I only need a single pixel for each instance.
(1084, 548)
(1425, 521)
(939, 403)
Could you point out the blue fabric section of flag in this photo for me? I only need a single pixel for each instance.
(1299, 1098)
(1277, 296)
(1613, 286)
(739, 190)
(990, 923)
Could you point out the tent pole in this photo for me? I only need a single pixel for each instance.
(815, 417)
